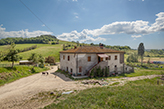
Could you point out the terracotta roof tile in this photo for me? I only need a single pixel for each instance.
(91, 49)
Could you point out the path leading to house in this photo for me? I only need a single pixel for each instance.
(16, 95)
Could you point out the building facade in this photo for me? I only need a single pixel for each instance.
(81, 60)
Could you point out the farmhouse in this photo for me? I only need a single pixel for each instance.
(81, 60)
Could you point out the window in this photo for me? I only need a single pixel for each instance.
(89, 58)
(115, 66)
(63, 57)
(106, 58)
(109, 57)
(68, 58)
(115, 58)
(67, 69)
(80, 69)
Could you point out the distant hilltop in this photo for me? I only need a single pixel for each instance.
(20, 40)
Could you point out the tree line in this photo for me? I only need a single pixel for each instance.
(44, 39)
(27, 48)
(113, 47)
(160, 52)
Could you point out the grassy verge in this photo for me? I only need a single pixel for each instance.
(8, 75)
(137, 94)
(142, 72)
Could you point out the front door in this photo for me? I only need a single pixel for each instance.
(99, 59)
(116, 68)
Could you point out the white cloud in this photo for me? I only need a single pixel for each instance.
(135, 28)
(74, 0)
(75, 13)
(135, 36)
(91, 39)
(43, 25)
(142, 0)
(21, 33)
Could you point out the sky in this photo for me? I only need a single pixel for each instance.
(111, 22)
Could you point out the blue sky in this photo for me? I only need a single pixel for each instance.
(112, 22)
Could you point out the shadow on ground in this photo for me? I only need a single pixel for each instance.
(62, 76)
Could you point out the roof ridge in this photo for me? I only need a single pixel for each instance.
(91, 49)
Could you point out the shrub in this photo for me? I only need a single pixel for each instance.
(50, 60)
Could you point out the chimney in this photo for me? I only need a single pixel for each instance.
(101, 45)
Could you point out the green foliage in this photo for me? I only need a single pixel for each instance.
(160, 52)
(41, 59)
(113, 47)
(136, 94)
(141, 51)
(50, 60)
(64, 48)
(8, 74)
(99, 72)
(27, 48)
(116, 83)
(1, 56)
(35, 58)
(39, 39)
(132, 58)
(12, 55)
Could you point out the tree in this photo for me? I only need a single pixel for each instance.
(50, 60)
(141, 51)
(64, 47)
(77, 42)
(12, 55)
(41, 59)
(33, 58)
(132, 58)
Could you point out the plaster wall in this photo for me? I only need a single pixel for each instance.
(71, 64)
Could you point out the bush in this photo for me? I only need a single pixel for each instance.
(132, 58)
(50, 60)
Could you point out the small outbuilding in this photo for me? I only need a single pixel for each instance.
(25, 62)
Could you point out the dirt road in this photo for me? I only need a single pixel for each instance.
(14, 95)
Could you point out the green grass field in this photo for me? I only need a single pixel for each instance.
(45, 50)
(8, 74)
(142, 94)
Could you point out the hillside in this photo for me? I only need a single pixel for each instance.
(43, 39)
(48, 45)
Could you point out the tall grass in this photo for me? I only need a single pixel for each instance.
(8, 74)
(142, 94)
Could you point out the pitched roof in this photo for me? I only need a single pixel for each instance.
(91, 49)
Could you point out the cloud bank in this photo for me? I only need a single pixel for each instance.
(22, 33)
(134, 28)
